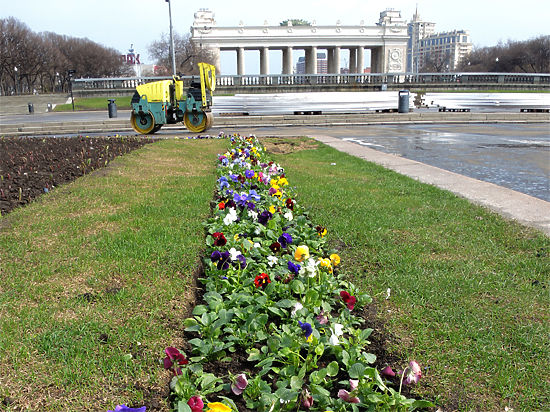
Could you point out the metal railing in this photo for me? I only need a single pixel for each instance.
(367, 79)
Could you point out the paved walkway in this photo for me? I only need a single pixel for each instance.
(525, 209)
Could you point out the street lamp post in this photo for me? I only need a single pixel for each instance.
(16, 75)
(172, 39)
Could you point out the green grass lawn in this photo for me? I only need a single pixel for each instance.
(469, 290)
(95, 280)
(95, 103)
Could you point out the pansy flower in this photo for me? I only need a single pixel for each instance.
(307, 399)
(240, 262)
(321, 231)
(413, 373)
(173, 359)
(249, 173)
(335, 259)
(285, 239)
(264, 217)
(124, 408)
(219, 239)
(221, 259)
(307, 329)
(221, 205)
(218, 407)
(348, 299)
(195, 403)
(253, 195)
(293, 267)
(239, 384)
(350, 396)
(289, 203)
(262, 280)
(275, 247)
(302, 253)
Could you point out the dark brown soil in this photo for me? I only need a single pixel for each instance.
(32, 166)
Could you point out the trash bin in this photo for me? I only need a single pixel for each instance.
(31, 108)
(403, 101)
(112, 108)
(50, 107)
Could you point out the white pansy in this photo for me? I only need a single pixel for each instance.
(333, 340)
(296, 308)
(338, 329)
(230, 217)
(257, 245)
(288, 216)
(310, 268)
(234, 253)
(253, 215)
(272, 260)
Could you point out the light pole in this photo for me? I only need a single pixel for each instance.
(172, 39)
(15, 68)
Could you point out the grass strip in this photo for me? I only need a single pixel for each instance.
(469, 290)
(95, 103)
(95, 279)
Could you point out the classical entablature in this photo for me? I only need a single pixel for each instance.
(387, 43)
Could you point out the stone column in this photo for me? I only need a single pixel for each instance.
(311, 60)
(353, 60)
(360, 59)
(287, 60)
(330, 59)
(264, 60)
(374, 60)
(336, 59)
(240, 61)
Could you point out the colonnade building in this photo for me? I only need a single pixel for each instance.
(386, 41)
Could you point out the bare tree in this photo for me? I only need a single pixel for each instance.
(30, 61)
(530, 56)
(187, 54)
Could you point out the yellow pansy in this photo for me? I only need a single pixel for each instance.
(302, 253)
(335, 259)
(218, 407)
(282, 181)
(236, 237)
(325, 262)
(272, 209)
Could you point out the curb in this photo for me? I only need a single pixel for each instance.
(113, 126)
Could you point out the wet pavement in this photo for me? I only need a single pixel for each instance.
(516, 156)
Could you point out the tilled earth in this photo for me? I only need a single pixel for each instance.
(31, 166)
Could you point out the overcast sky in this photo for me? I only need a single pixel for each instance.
(119, 23)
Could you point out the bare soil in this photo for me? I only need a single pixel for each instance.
(30, 167)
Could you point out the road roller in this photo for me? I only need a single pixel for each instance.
(166, 102)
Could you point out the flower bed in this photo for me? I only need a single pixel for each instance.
(273, 293)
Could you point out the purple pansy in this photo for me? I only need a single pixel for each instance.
(221, 259)
(264, 217)
(293, 267)
(249, 173)
(306, 327)
(285, 239)
(124, 408)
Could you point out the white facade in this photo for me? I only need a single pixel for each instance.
(387, 42)
(417, 30)
(444, 49)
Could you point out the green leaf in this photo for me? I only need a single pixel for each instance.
(254, 355)
(297, 286)
(183, 407)
(199, 310)
(286, 394)
(357, 371)
(333, 368)
(319, 390)
(369, 357)
(285, 303)
(418, 404)
(320, 349)
(365, 333)
(296, 383)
